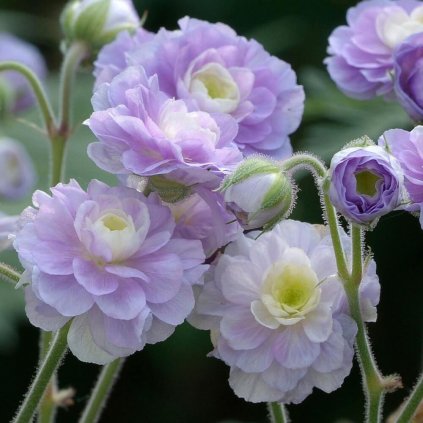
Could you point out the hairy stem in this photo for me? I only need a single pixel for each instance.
(8, 274)
(77, 52)
(101, 391)
(372, 379)
(414, 400)
(357, 255)
(277, 412)
(39, 384)
(34, 82)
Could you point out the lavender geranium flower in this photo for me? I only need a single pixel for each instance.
(278, 315)
(144, 132)
(17, 174)
(365, 183)
(15, 92)
(408, 64)
(107, 259)
(361, 53)
(407, 147)
(215, 70)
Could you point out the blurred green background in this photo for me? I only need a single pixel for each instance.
(175, 381)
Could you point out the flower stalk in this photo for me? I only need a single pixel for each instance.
(39, 92)
(101, 391)
(8, 274)
(50, 364)
(277, 413)
(409, 409)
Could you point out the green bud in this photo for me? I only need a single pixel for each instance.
(361, 142)
(97, 22)
(259, 193)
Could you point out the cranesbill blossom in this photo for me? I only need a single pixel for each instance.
(407, 147)
(361, 52)
(15, 92)
(215, 70)
(278, 314)
(366, 183)
(17, 174)
(107, 259)
(409, 75)
(8, 227)
(142, 131)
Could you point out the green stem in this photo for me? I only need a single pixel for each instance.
(357, 256)
(305, 160)
(43, 102)
(47, 407)
(332, 221)
(414, 400)
(58, 144)
(299, 161)
(77, 52)
(101, 391)
(9, 274)
(277, 412)
(373, 381)
(39, 384)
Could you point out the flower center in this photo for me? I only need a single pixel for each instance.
(114, 223)
(366, 183)
(118, 233)
(179, 125)
(293, 287)
(394, 25)
(215, 89)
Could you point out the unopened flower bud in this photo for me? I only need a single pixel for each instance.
(365, 183)
(97, 22)
(259, 193)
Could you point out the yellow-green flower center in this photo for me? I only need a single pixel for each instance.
(214, 88)
(293, 287)
(114, 222)
(366, 182)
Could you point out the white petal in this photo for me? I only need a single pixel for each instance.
(82, 345)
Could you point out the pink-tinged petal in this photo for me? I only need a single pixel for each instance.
(42, 315)
(63, 293)
(44, 254)
(241, 330)
(176, 310)
(331, 352)
(294, 350)
(318, 323)
(125, 271)
(158, 332)
(238, 278)
(82, 345)
(190, 251)
(165, 276)
(256, 360)
(93, 278)
(281, 378)
(125, 303)
(251, 387)
(262, 315)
